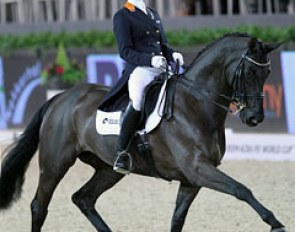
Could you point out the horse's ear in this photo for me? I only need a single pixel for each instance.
(269, 47)
(252, 44)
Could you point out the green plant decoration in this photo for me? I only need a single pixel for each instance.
(63, 72)
(62, 58)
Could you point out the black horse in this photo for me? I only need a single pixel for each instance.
(187, 148)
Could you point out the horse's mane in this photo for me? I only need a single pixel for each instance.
(234, 34)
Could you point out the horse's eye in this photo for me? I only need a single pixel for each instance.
(250, 73)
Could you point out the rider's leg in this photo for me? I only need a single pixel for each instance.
(139, 79)
(128, 127)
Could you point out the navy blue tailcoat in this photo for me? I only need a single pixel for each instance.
(139, 36)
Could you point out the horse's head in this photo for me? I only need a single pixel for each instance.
(232, 69)
(250, 76)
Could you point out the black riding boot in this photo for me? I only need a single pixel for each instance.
(122, 163)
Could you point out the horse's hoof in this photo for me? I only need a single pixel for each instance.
(282, 229)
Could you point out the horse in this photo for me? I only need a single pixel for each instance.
(188, 148)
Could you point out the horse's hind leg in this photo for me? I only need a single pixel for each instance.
(185, 196)
(85, 198)
(53, 167)
(206, 175)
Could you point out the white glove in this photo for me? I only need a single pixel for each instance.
(159, 62)
(178, 56)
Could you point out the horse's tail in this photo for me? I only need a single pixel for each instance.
(17, 158)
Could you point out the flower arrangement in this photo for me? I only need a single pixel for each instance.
(63, 72)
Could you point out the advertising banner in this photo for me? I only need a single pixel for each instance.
(104, 69)
(23, 93)
(2, 98)
(275, 147)
(288, 70)
(21, 88)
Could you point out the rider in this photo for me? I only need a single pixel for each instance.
(143, 45)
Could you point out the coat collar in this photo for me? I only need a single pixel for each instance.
(141, 15)
(129, 6)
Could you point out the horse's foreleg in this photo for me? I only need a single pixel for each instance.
(86, 197)
(185, 196)
(206, 175)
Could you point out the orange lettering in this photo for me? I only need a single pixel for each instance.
(273, 98)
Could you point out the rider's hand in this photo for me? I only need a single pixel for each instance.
(178, 57)
(159, 62)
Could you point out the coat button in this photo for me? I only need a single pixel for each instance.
(157, 31)
(161, 53)
(153, 54)
(158, 42)
(147, 32)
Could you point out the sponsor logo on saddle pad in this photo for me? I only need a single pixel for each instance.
(108, 123)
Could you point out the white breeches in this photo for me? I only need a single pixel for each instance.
(138, 80)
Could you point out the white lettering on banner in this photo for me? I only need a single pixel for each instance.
(277, 147)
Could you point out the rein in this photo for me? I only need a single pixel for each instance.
(239, 97)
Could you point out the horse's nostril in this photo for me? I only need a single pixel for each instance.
(252, 121)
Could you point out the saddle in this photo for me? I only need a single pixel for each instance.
(152, 93)
(157, 103)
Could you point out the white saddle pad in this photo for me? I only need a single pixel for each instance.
(108, 123)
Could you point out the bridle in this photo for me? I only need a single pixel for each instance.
(240, 95)
(239, 98)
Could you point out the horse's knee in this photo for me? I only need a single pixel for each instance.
(81, 201)
(76, 199)
(242, 193)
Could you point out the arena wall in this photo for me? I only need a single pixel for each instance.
(189, 23)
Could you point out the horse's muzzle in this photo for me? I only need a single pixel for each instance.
(251, 118)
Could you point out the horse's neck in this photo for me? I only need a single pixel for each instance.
(211, 68)
(208, 69)
(214, 69)
(209, 73)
